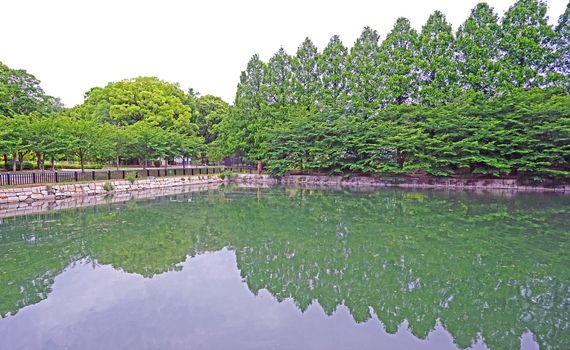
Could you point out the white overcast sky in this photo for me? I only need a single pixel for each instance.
(74, 45)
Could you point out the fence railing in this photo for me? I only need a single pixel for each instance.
(27, 178)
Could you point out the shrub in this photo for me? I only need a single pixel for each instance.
(226, 174)
(27, 165)
(76, 166)
(131, 177)
(107, 186)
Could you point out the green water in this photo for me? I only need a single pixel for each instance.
(290, 268)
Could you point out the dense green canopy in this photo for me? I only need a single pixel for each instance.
(491, 99)
(142, 118)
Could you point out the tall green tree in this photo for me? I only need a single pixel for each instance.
(479, 52)
(243, 127)
(209, 112)
(561, 64)
(397, 54)
(331, 68)
(526, 43)
(365, 81)
(279, 79)
(86, 140)
(305, 75)
(14, 136)
(147, 99)
(436, 63)
(22, 94)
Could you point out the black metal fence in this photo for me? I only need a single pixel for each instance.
(27, 178)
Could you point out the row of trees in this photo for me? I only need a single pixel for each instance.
(142, 118)
(491, 99)
(415, 101)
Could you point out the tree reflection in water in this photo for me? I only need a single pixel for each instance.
(483, 265)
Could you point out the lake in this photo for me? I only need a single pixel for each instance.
(283, 268)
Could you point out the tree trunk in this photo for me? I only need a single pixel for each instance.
(6, 167)
(81, 158)
(14, 162)
(259, 167)
(165, 164)
(117, 159)
(52, 164)
(38, 160)
(21, 160)
(143, 163)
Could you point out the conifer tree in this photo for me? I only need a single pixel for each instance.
(305, 75)
(364, 80)
(561, 64)
(331, 67)
(479, 55)
(436, 63)
(396, 56)
(279, 79)
(526, 44)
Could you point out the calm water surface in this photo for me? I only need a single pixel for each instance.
(291, 269)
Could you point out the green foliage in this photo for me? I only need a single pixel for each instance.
(333, 73)
(479, 55)
(142, 118)
(21, 93)
(363, 65)
(527, 45)
(487, 266)
(26, 165)
(131, 177)
(107, 186)
(76, 166)
(436, 65)
(145, 99)
(428, 103)
(397, 54)
(525, 134)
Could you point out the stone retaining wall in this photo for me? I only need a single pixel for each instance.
(35, 198)
(55, 192)
(25, 208)
(363, 181)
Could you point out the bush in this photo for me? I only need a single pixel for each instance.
(131, 177)
(226, 174)
(27, 165)
(77, 166)
(107, 186)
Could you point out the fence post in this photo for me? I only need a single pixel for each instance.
(123, 174)
(93, 175)
(33, 177)
(8, 178)
(109, 174)
(56, 177)
(147, 173)
(75, 176)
